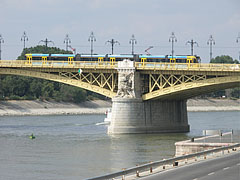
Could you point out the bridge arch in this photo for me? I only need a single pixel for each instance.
(61, 79)
(195, 88)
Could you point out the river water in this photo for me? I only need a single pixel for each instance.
(75, 147)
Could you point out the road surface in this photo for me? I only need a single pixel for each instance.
(223, 168)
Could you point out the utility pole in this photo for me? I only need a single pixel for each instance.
(1, 41)
(91, 39)
(192, 44)
(172, 39)
(24, 38)
(46, 41)
(132, 42)
(67, 40)
(112, 42)
(237, 41)
(211, 42)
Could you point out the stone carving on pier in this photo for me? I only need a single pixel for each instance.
(126, 71)
(126, 89)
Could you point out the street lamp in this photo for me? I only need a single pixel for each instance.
(192, 44)
(172, 39)
(46, 41)
(1, 41)
(24, 38)
(67, 40)
(211, 42)
(91, 39)
(112, 42)
(237, 41)
(132, 41)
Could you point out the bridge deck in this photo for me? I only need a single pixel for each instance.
(157, 80)
(152, 66)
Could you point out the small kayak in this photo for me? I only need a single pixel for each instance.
(32, 137)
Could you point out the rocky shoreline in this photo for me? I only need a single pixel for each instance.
(26, 107)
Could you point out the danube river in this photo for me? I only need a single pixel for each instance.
(75, 147)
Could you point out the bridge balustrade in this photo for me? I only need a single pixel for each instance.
(186, 66)
(113, 65)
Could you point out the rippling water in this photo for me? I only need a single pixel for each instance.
(74, 147)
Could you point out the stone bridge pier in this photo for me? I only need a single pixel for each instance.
(130, 114)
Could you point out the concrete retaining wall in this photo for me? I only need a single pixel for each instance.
(189, 147)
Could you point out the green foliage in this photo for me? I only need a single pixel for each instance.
(236, 92)
(27, 88)
(73, 94)
(224, 59)
(233, 92)
(42, 49)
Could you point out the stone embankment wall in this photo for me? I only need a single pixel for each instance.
(213, 105)
(99, 107)
(51, 107)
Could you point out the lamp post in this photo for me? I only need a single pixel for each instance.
(133, 41)
(46, 41)
(67, 40)
(112, 42)
(211, 42)
(91, 39)
(1, 41)
(237, 41)
(24, 38)
(172, 39)
(192, 44)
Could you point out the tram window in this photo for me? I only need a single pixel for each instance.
(183, 61)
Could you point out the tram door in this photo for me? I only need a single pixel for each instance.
(70, 60)
(172, 60)
(189, 60)
(112, 61)
(143, 60)
(29, 59)
(100, 60)
(44, 60)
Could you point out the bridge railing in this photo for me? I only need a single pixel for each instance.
(59, 64)
(113, 65)
(186, 66)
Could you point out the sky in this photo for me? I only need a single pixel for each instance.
(151, 21)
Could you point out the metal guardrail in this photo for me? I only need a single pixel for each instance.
(185, 66)
(113, 65)
(152, 165)
(58, 64)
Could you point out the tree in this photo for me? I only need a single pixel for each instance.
(224, 59)
(20, 87)
(47, 90)
(42, 49)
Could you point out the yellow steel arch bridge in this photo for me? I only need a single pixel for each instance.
(158, 80)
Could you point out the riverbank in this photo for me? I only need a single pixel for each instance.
(35, 107)
(197, 105)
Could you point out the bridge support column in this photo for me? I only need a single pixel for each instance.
(153, 116)
(130, 114)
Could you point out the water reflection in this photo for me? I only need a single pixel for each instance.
(131, 150)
